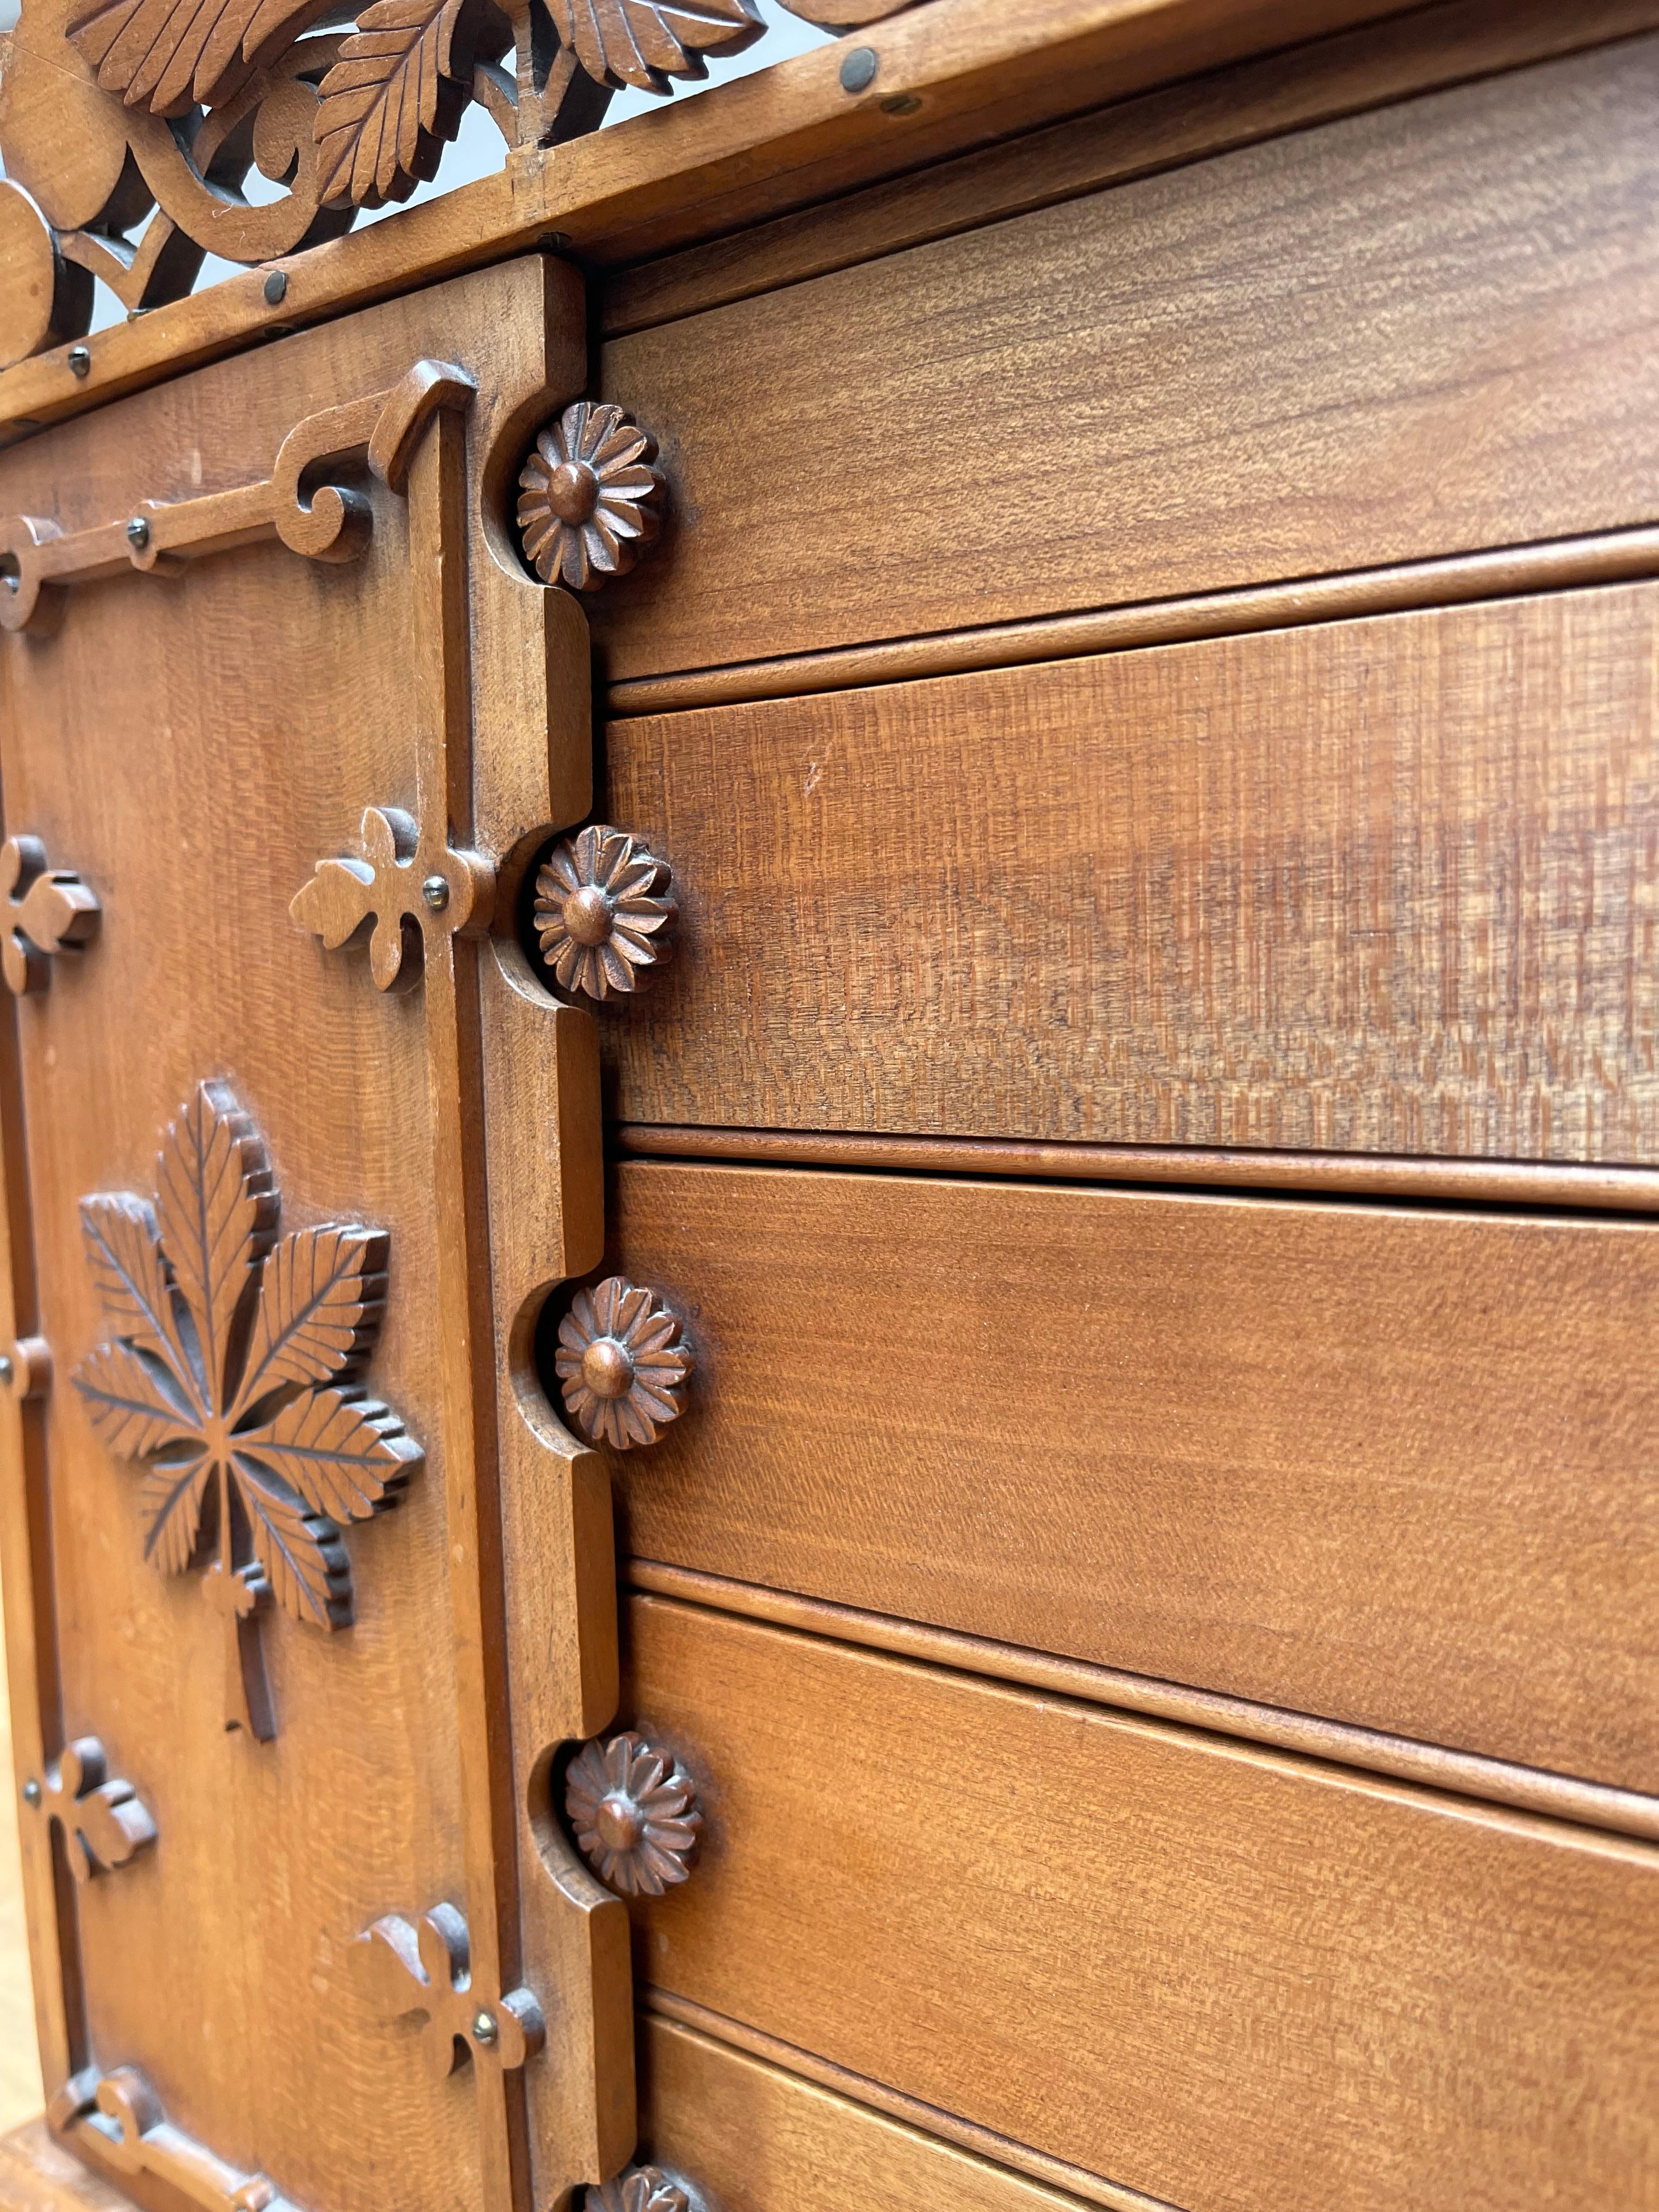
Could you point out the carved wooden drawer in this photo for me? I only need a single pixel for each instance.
(1376, 887)
(1287, 1451)
(851, 1873)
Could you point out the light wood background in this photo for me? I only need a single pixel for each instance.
(20, 2094)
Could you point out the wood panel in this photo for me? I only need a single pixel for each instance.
(1397, 335)
(1386, 1466)
(1222, 1977)
(1382, 886)
(753, 2137)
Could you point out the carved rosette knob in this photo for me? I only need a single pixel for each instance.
(589, 500)
(622, 1364)
(635, 1814)
(603, 907)
(638, 2189)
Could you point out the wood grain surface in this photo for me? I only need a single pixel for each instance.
(760, 2138)
(1221, 1977)
(1383, 1466)
(1382, 886)
(1409, 334)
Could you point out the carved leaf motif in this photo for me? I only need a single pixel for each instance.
(302, 1554)
(130, 1406)
(215, 1202)
(646, 43)
(130, 1272)
(171, 1494)
(344, 1455)
(320, 1294)
(170, 54)
(397, 92)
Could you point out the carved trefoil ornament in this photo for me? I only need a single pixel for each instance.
(48, 911)
(389, 892)
(604, 911)
(103, 1821)
(621, 1363)
(129, 128)
(590, 499)
(635, 1811)
(424, 1973)
(231, 1378)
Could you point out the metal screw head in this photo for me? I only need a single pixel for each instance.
(137, 533)
(901, 103)
(857, 71)
(80, 359)
(435, 891)
(275, 288)
(7, 1370)
(483, 2027)
(31, 1791)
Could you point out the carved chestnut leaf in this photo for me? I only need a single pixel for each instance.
(635, 1814)
(168, 55)
(638, 2189)
(621, 1363)
(602, 909)
(645, 43)
(396, 94)
(589, 498)
(228, 1380)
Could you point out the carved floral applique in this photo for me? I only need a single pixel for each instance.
(621, 1363)
(635, 1814)
(638, 2189)
(588, 496)
(229, 1381)
(602, 909)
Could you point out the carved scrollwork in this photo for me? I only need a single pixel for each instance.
(117, 2118)
(115, 111)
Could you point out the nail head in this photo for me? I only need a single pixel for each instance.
(80, 359)
(275, 288)
(138, 533)
(857, 71)
(31, 1791)
(435, 891)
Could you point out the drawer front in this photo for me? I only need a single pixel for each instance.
(1216, 1975)
(1389, 1467)
(1382, 886)
(753, 2137)
(1403, 334)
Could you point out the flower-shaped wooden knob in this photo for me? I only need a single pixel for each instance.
(635, 1811)
(589, 500)
(638, 2189)
(621, 1363)
(604, 906)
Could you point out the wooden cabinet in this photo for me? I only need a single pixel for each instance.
(828, 1096)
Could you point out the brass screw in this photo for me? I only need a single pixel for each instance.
(137, 533)
(483, 2028)
(435, 891)
(80, 359)
(31, 1791)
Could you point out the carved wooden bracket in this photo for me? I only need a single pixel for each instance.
(425, 1972)
(621, 1363)
(604, 907)
(48, 911)
(103, 1823)
(324, 521)
(231, 1380)
(402, 883)
(119, 2120)
(589, 500)
(639, 2189)
(635, 1814)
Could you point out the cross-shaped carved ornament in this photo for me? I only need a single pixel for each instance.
(402, 884)
(426, 1970)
